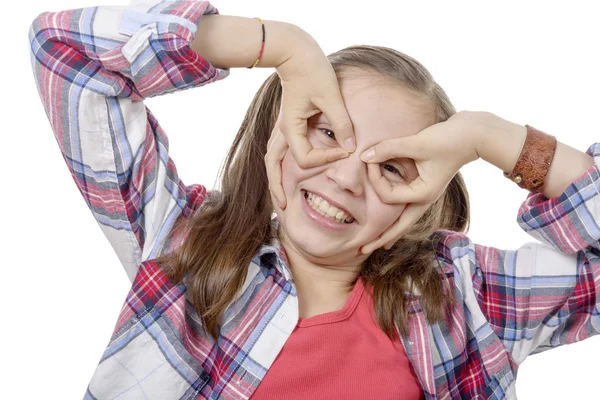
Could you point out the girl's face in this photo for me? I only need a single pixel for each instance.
(379, 109)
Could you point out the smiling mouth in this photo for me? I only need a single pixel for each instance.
(321, 206)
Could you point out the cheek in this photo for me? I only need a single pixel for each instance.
(382, 216)
(292, 174)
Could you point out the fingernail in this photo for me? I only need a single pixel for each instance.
(349, 144)
(367, 155)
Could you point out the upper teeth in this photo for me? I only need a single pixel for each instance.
(323, 207)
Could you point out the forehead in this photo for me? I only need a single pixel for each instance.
(380, 108)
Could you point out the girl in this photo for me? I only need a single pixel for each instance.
(337, 269)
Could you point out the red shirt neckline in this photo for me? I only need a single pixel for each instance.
(339, 315)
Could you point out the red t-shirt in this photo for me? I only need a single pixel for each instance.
(342, 354)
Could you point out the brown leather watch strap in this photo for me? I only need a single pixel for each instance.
(534, 161)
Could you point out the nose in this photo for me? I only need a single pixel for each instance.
(349, 173)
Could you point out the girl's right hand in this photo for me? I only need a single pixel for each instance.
(310, 86)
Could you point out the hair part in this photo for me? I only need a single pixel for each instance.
(223, 237)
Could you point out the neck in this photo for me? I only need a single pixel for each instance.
(314, 276)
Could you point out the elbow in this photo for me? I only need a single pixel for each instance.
(37, 26)
(36, 34)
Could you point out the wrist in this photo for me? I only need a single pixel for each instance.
(305, 51)
(286, 39)
(234, 42)
(499, 141)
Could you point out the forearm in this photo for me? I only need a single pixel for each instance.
(501, 143)
(234, 42)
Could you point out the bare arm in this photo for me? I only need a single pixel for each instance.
(234, 42)
(501, 146)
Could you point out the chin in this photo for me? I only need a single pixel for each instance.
(313, 246)
(316, 248)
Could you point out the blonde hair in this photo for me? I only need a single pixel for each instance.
(221, 240)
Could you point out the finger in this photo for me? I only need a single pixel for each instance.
(336, 113)
(273, 135)
(410, 215)
(307, 157)
(273, 158)
(404, 147)
(303, 152)
(416, 191)
(382, 186)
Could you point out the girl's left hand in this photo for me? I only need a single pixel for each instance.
(439, 151)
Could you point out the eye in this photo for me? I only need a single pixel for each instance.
(328, 133)
(390, 169)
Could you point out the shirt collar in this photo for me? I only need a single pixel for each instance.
(274, 247)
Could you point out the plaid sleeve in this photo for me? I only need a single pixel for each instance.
(93, 67)
(571, 221)
(543, 295)
(533, 299)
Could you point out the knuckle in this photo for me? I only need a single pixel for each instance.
(429, 197)
(419, 146)
(343, 125)
(387, 196)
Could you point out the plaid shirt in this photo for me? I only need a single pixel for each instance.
(93, 68)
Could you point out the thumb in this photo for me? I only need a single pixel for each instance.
(336, 113)
(405, 147)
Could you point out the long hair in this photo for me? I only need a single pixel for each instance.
(221, 239)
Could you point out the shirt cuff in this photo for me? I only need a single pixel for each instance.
(569, 222)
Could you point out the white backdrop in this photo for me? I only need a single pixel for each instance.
(62, 285)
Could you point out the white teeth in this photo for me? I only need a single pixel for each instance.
(322, 207)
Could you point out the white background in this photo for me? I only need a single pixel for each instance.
(62, 285)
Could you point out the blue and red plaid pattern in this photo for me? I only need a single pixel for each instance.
(93, 68)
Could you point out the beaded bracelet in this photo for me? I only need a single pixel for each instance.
(262, 46)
